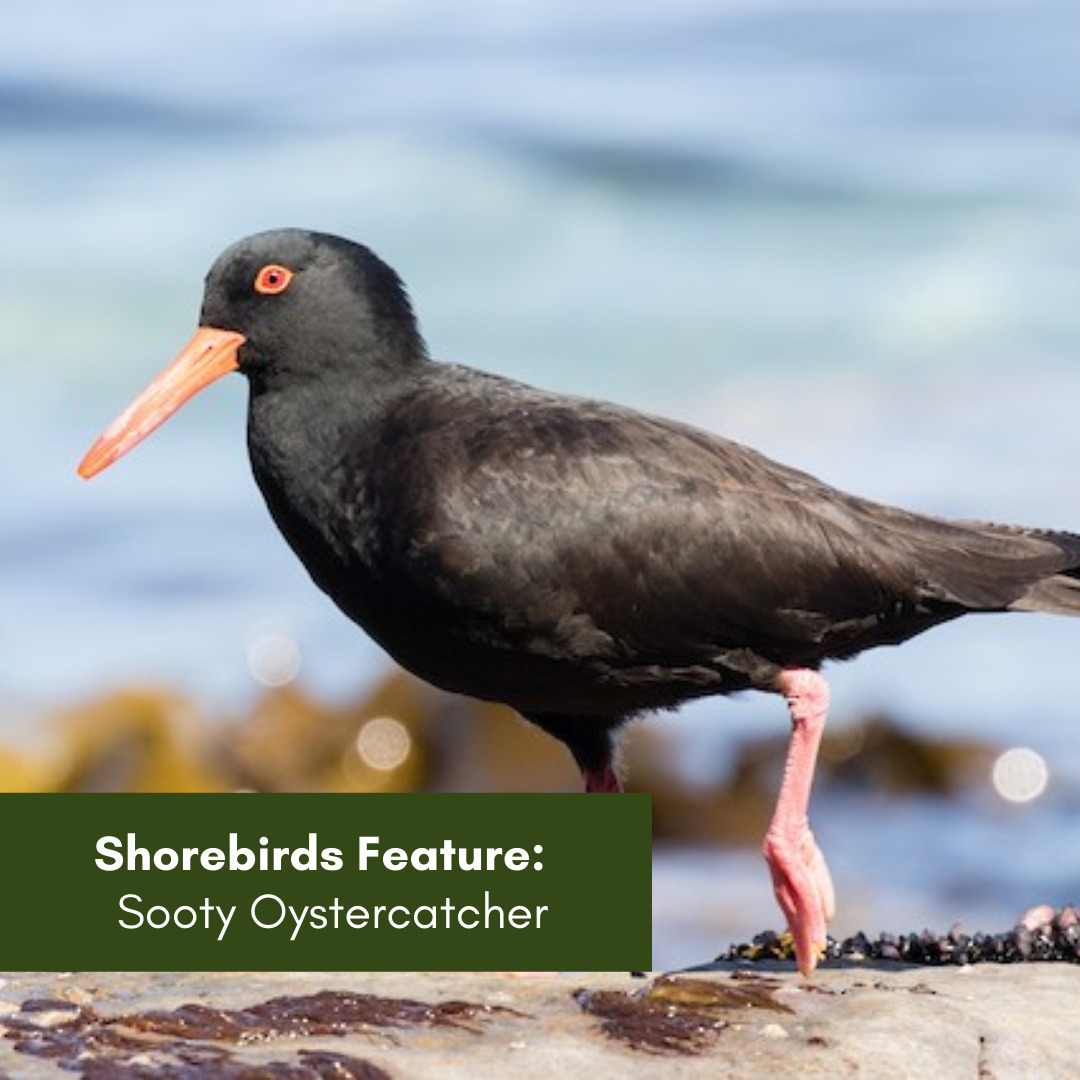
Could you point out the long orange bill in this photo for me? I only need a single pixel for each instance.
(210, 354)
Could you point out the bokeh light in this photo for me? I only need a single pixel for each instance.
(1020, 775)
(383, 743)
(273, 655)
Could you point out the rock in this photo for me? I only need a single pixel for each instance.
(994, 1022)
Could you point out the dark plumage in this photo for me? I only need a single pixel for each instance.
(579, 561)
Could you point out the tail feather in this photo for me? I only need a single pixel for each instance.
(1057, 595)
(990, 567)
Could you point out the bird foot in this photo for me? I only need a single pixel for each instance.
(803, 888)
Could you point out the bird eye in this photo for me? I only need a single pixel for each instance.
(273, 279)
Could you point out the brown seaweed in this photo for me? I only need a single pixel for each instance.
(675, 1014)
(184, 1043)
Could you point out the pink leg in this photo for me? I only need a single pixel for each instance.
(801, 879)
(602, 781)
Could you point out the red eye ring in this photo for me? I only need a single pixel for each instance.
(273, 279)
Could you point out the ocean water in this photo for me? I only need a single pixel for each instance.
(847, 235)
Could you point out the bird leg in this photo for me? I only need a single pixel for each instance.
(801, 879)
(604, 781)
(589, 740)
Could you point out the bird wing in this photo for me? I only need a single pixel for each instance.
(585, 529)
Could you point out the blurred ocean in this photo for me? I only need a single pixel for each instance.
(847, 234)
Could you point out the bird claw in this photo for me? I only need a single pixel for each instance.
(803, 889)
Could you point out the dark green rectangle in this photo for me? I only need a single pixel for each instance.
(591, 877)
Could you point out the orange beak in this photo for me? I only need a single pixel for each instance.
(210, 354)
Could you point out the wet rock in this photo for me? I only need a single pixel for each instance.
(881, 755)
(995, 1022)
(877, 755)
(403, 735)
(135, 740)
(21, 772)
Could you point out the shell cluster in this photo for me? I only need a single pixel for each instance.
(1041, 935)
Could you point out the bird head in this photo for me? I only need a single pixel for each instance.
(279, 307)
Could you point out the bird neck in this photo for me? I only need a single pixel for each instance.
(300, 440)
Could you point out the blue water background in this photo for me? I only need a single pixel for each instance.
(847, 234)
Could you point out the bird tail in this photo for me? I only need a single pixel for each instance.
(1055, 595)
(1011, 568)
(982, 566)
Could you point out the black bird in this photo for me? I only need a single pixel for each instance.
(576, 560)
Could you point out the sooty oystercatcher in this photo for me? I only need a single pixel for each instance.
(579, 561)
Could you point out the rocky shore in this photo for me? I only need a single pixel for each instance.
(869, 1013)
(982, 1022)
